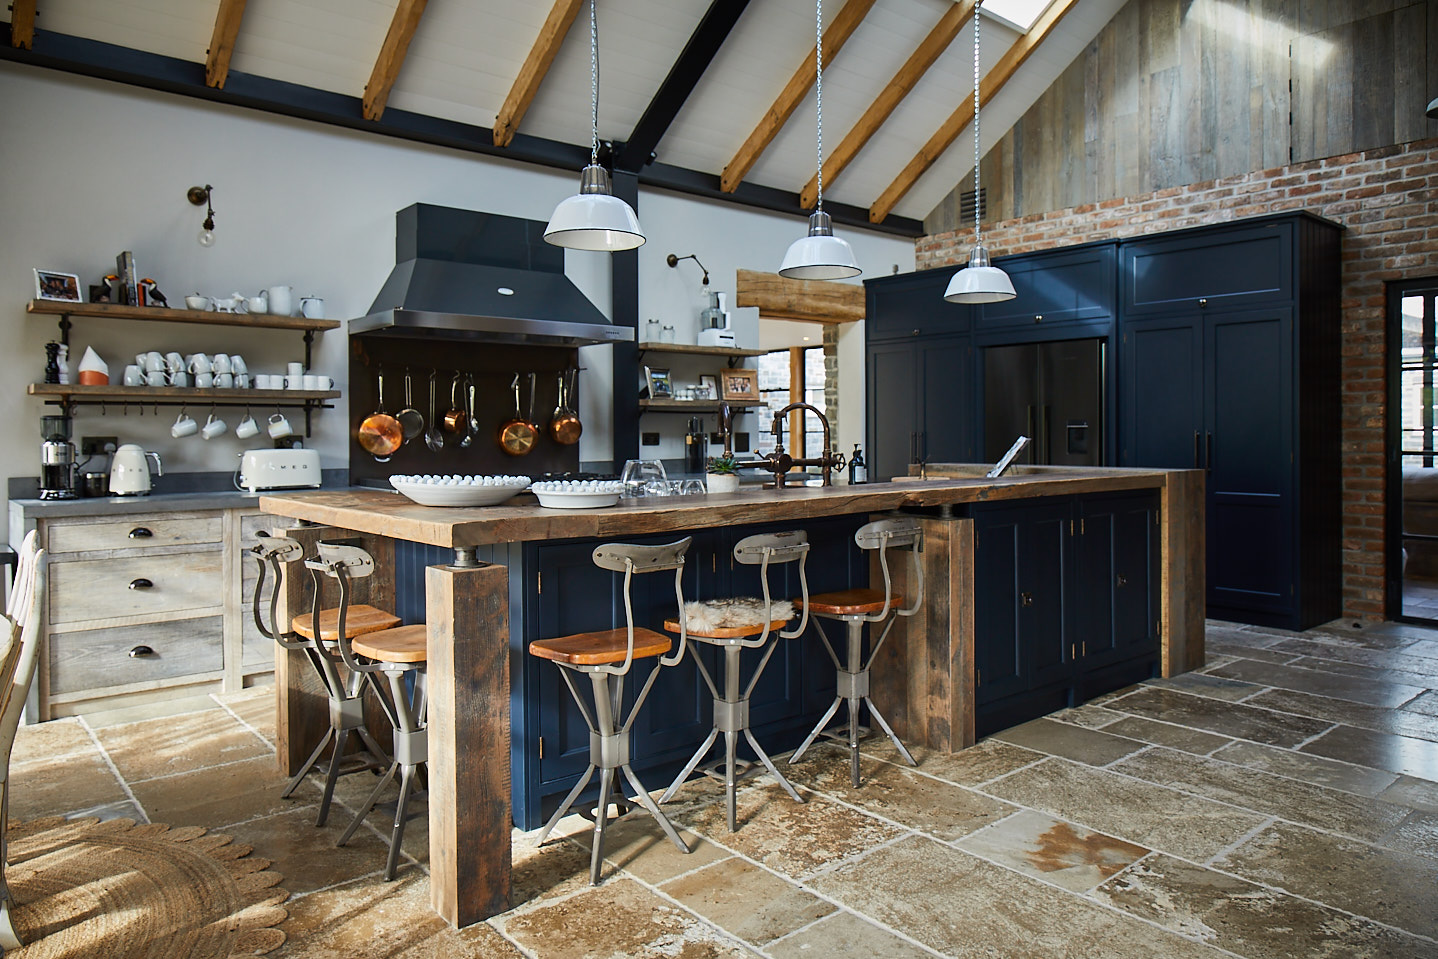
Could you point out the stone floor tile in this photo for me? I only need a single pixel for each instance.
(1140, 812)
(1317, 806)
(1256, 653)
(1070, 856)
(1350, 688)
(1358, 655)
(1417, 834)
(844, 935)
(1216, 630)
(79, 782)
(941, 809)
(1428, 678)
(124, 809)
(1239, 720)
(1087, 715)
(1308, 768)
(1425, 703)
(985, 760)
(52, 742)
(1247, 919)
(1089, 746)
(1167, 734)
(638, 845)
(747, 902)
(1377, 718)
(1413, 792)
(1210, 684)
(558, 868)
(255, 706)
(1382, 884)
(177, 744)
(221, 795)
(352, 791)
(619, 919)
(965, 907)
(1399, 754)
(306, 855)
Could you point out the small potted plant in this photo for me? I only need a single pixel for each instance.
(723, 476)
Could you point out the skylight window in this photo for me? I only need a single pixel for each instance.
(1020, 14)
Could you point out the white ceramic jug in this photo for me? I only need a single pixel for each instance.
(312, 307)
(281, 300)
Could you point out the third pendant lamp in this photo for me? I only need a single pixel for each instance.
(594, 218)
(820, 255)
(978, 282)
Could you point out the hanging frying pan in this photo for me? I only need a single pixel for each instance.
(380, 434)
(517, 434)
(564, 425)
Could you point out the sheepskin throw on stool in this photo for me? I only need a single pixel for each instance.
(705, 615)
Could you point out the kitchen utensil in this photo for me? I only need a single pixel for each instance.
(214, 426)
(247, 427)
(517, 435)
(279, 426)
(281, 300)
(431, 490)
(564, 425)
(380, 434)
(467, 435)
(185, 425)
(130, 470)
(644, 478)
(279, 469)
(410, 418)
(197, 302)
(577, 494)
(455, 418)
(473, 420)
(255, 304)
(433, 438)
(57, 458)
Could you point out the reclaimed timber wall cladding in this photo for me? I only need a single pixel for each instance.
(1174, 92)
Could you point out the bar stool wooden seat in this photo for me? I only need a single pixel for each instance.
(610, 653)
(854, 608)
(344, 692)
(740, 625)
(397, 653)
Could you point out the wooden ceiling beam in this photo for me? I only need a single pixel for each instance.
(536, 67)
(991, 84)
(391, 56)
(888, 100)
(22, 24)
(815, 301)
(222, 42)
(835, 35)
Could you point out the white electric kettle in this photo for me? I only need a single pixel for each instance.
(130, 471)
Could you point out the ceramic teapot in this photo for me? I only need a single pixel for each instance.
(281, 300)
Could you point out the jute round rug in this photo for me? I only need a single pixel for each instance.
(86, 888)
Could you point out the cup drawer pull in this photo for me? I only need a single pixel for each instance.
(1026, 599)
(140, 532)
(141, 583)
(140, 651)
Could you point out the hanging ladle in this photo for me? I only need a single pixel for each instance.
(433, 438)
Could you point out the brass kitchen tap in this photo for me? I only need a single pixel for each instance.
(780, 462)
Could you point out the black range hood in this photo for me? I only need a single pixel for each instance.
(463, 275)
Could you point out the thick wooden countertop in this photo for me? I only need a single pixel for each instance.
(388, 514)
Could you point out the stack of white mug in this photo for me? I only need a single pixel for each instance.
(294, 378)
(186, 425)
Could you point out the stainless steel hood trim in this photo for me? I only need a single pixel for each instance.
(489, 329)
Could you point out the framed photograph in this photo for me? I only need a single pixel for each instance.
(661, 387)
(739, 384)
(50, 285)
(709, 386)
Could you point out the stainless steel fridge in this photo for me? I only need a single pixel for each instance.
(1051, 392)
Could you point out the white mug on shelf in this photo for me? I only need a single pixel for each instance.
(279, 427)
(295, 369)
(200, 363)
(174, 362)
(247, 427)
(134, 376)
(214, 426)
(242, 381)
(204, 380)
(294, 381)
(237, 364)
(157, 378)
(184, 425)
(221, 363)
(224, 381)
(154, 362)
(179, 378)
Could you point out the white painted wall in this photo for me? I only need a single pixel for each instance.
(89, 168)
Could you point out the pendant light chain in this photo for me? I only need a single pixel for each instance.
(819, 93)
(976, 124)
(593, 84)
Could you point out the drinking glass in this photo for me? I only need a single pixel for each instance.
(642, 476)
(693, 487)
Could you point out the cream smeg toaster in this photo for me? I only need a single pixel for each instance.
(279, 469)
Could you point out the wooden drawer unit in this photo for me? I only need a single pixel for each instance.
(138, 532)
(135, 585)
(150, 654)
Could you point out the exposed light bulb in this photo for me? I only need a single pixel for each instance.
(206, 238)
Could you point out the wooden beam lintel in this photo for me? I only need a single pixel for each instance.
(815, 301)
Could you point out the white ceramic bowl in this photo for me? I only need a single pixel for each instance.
(433, 490)
(577, 494)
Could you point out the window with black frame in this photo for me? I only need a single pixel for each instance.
(1418, 452)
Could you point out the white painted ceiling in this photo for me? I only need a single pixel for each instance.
(466, 54)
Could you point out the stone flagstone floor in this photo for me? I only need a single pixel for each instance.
(1281, 802)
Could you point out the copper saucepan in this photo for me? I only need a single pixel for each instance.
(564, 425)
(456, 420)
(517, 435)
(380, 434)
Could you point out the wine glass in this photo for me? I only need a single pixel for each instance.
(643, 478)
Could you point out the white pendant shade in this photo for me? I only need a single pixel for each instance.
(594, 219)
(979, 283)
(820, 255)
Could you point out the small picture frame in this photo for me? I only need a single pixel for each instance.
(661, 387)
(53, 285)
(739, 384)
(708, 387)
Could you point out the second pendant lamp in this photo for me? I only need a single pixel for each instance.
(594, 218)
(820, 255)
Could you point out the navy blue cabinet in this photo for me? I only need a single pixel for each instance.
(920, 404)
(1235, 266)
(912, 305)
(1056, 286)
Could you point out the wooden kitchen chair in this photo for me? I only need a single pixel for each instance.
(734, 626)
(398, 653)
(854, 608)
(610, 653)
(21, 630)
(345, 692)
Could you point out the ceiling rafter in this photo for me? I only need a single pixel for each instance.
(22, 24)
(835, 35)
(536, 67)
(222, 42)
(890, 97)
(991, 84)
(684, 76)
(391, 56)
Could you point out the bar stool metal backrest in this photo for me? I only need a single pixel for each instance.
(630, 559)
(895, 532)
(767, 549)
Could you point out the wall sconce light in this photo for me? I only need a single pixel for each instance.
(673, 261)
(200, 196)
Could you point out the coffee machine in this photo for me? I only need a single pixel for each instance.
(57, 459)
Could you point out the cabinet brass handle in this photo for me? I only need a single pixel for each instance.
(139, 651)
(141, 583)
(140, 532)
(1038, 317)
(1203, 301)
(1026, 599)
(1122, 580)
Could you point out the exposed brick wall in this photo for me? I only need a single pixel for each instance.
(1385, 197)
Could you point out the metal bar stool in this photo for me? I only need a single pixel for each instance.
(596, 655)
(397, 652)
(854, 608)
(739, 625)
(345, 693)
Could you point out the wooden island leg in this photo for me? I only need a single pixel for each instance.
(467, 611)
(1183, 585)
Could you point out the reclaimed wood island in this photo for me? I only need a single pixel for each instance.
(1042, 588)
